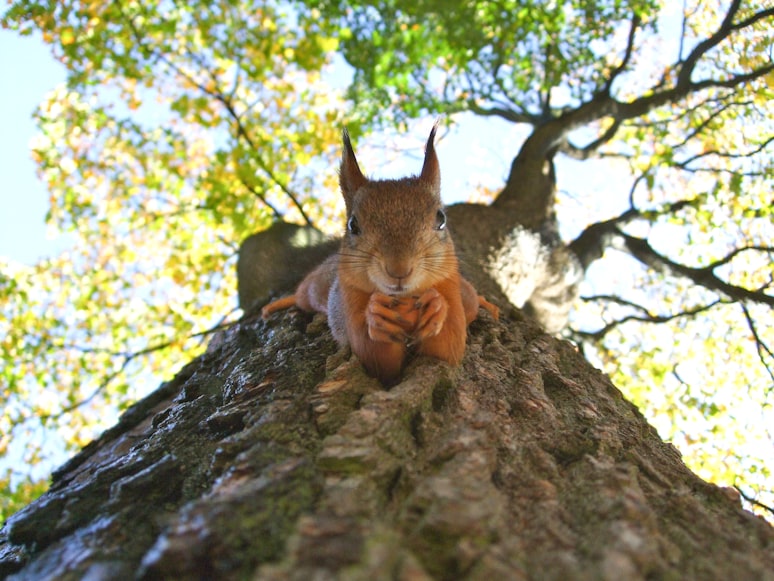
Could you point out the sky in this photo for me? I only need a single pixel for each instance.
(27, 72)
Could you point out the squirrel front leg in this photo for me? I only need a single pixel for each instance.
(472, 301)
(364, 322)
(447, 310)
(442, 328)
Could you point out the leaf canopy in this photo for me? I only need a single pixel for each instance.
(182, 129)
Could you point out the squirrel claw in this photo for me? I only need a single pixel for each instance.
(383, 334)
(434, 310)
(395, 302)
(385, 323)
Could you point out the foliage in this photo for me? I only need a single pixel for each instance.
(16, 496)
(437, 56)
(184, 127)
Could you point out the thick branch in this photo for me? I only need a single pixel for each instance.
(590, 245)
(688, 66)
(593, 241)
(590, 150)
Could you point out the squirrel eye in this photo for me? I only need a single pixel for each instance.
(352, 226)
(440, 220)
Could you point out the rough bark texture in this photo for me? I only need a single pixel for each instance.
(273, 456)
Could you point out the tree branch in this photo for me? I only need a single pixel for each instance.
(684, 164)
(647, 317)
(734, 253)
(635, 23)
(765, 353)
(590, 150)
(553, 133)
(725, 28)
(507, 114)
(262, 197)
(590, 245)
(127, 357)
(753, 501)
(721, 107)
(705, 276)
(592, 242)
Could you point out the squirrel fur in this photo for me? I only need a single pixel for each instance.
(394, 286)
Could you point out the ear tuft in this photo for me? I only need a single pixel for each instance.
(350, 176)
(431, 171)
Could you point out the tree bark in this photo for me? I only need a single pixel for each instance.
(273, 456)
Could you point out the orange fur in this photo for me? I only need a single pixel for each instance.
(278, 305)
(472, 301)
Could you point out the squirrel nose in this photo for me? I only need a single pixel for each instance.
(400, 273)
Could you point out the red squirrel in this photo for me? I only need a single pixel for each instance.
(395, 283)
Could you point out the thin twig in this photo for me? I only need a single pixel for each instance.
(127, 357)
(649, 318)
(753, 501)
(760, 345)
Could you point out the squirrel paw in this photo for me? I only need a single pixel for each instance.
(492, 308)
(389, 319)
(278, 305)
(433, 308)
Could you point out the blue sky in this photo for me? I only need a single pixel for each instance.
(28, 72)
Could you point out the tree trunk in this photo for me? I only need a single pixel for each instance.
(273, 456)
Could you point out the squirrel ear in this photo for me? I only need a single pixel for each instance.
(431, 171)
(350, 176)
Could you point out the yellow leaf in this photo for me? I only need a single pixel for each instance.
(67, 36)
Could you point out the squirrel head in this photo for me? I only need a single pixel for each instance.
(396, 239)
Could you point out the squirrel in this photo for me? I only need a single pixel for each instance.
(394, 286)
